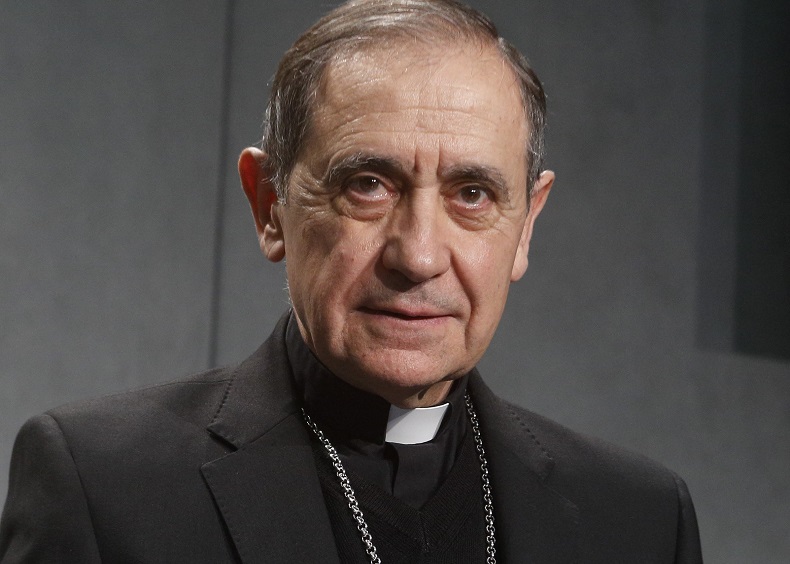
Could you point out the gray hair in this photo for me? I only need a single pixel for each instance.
(360, 24)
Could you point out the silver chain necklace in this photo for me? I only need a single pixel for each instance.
(356, 512)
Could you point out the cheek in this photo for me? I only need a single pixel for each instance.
(486, 261)
(309, 239)
(330, 259)
(484, 268)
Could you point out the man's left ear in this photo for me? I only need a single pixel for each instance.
(537, 199)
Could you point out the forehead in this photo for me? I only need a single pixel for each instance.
(460, 101)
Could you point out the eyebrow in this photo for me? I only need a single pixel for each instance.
(357, 162)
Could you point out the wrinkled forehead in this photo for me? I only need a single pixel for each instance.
(461, 78)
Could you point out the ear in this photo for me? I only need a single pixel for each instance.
(537, 199)
(256, 181)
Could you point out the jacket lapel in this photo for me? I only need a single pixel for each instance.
(533, 522)
(267, 490)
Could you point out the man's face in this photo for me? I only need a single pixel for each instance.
(406, 217)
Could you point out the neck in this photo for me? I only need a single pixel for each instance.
(409, 398)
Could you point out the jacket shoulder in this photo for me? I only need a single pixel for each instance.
(577, 456)
(144, 425)
(193, 399)
(88, 478)
(627, 503)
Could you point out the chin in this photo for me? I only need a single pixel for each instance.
(403, 373)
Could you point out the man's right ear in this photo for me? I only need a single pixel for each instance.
(256, 181)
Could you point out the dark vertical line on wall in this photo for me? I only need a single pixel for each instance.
(719, 176)
(222, 169)
(762, 287)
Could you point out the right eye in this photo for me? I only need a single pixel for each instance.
(366, 187)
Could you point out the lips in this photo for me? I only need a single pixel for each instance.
(406, 313)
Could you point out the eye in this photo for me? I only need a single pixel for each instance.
(367, 187)
(474, 196)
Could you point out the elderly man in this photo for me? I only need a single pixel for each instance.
(400, 178)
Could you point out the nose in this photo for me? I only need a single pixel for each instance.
(417, 244)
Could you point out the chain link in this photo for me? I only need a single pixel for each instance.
(348, 491)
(356, 512)
(488, 500)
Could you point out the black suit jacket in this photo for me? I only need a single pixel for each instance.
(218, 468)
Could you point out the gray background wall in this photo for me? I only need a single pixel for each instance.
(127, 254)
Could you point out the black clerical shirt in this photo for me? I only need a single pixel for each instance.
(355, 422)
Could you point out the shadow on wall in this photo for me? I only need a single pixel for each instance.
(744, 239)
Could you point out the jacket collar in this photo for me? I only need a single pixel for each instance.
(260, 393)
(268, 490)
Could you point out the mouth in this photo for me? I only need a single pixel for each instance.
(405, 314)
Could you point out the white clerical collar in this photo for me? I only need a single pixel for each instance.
(414, 426)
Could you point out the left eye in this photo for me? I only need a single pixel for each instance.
(473, 195)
